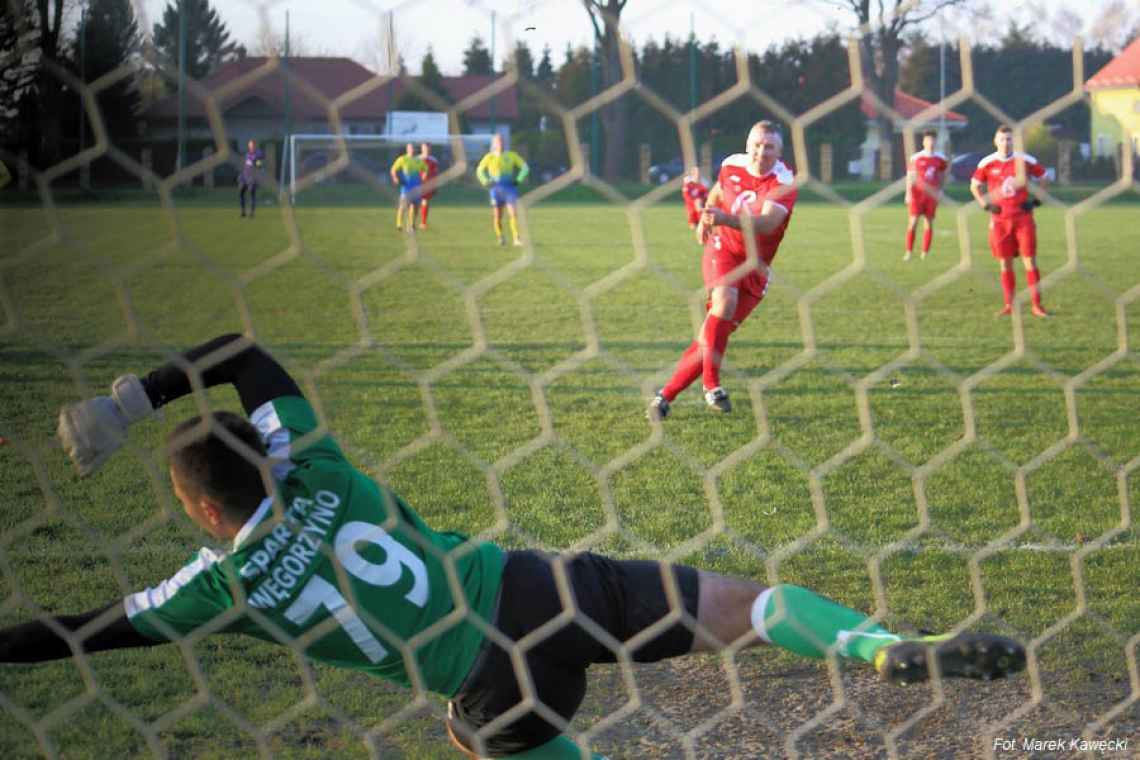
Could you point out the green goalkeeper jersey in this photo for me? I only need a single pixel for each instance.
(343, 547)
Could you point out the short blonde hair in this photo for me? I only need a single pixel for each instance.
(768, 127)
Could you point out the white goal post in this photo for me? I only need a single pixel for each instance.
(463, 147)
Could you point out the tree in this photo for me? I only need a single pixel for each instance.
(1115, 26)
(544, 74)
(271, 44)
(108, 38)
(573, 84)
(476, 58)
(605, 16)
(430, 75)
(522, 60)
(1019, 72)
(882, 26)
(208, 43)
(431, 79)
(45, 101)
(18, 41)
(919, 65)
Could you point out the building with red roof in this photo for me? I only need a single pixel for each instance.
(257, 98)
(1115, 95)
(908, 107)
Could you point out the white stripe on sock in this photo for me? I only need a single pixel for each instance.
(843, 637)
(758, 608)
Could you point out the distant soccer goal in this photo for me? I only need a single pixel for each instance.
(313, 158)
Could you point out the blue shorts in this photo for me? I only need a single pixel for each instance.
(410, 189)
(504, 195)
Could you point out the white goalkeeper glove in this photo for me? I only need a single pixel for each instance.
(91, 431)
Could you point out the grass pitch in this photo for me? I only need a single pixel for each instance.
(892, 443)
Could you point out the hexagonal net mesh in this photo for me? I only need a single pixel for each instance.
(893, 446)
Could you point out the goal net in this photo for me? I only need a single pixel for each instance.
(893, 445)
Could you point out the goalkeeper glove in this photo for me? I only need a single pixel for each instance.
(91, 431)
(1031, 204)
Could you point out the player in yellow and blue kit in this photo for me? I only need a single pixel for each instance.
(502, 171)
(407, 172)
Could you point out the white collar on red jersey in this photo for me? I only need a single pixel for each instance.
(781, 171)
(924, 153)
(995, 156)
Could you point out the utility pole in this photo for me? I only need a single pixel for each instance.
(82, 76)
(595, 136)
(941, 82)
(287, 126)
(692, 61)
(494, 126)
(285, 67)
(181, 84)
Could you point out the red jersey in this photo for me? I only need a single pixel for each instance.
(744, 192)
(928, 168)
(1000, 176)
(693, 191)
(432, 167)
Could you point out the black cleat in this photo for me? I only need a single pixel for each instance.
(981, 656)
(717, 400)
(659, 408)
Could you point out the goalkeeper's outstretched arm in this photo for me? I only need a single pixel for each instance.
(38, 641)
(240, 362)
(92, 430)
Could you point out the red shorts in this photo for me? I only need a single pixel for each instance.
(694, 216)
(719, 268)
(1010, 235)
(923, 205)
(427, 196)
(746, 301)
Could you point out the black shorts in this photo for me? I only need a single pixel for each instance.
(623, 598)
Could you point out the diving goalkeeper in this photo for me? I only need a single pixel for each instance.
(319, 552)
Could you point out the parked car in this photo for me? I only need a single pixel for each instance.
(962, 167)
(546, 172)
(662, 173)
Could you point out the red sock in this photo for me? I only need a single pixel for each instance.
(1008, 285)
(688, 370)
(909, 240)
(716, 334)
(1031, 277)
(926, 238)
(423, 212)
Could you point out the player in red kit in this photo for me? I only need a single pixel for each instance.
(695, 194)
(754, 191)
(432, 170)
(924, 179)
(1005, 175)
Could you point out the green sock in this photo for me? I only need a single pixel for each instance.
(561, 747)
(808, 624)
